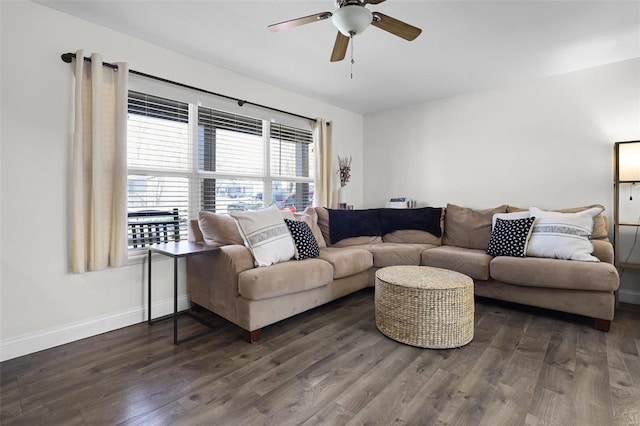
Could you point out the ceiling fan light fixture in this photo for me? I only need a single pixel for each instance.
(352, 19)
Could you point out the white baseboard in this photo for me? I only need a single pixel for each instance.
(629, 296)
(33, 342)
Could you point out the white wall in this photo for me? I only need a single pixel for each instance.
(42, 304)
(547, 143)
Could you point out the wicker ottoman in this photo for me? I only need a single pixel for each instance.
(424, 306)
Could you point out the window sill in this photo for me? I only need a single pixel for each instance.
(138, 257)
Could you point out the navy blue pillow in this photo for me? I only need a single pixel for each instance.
(509, 237)
(423, 219)
(306, 244)
(353, 223)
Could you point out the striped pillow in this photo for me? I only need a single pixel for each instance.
(266, 235)
(563, 235)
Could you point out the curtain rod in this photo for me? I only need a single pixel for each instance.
(67, 57)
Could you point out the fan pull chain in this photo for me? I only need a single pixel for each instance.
(352, 61)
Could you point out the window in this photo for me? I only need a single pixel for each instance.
(191, 157)
(291, 158)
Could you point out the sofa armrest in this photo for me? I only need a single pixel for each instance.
(603, 250)
(212, 278)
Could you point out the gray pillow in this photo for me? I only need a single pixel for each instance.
(219, 228)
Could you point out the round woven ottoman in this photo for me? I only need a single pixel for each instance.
(424, 306)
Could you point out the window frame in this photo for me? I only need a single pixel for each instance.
(195, 174)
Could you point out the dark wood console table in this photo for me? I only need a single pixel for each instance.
(176, 250)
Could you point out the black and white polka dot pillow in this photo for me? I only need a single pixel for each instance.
(306, 244)
(509, 237)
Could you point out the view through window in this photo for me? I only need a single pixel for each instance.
(189, 157)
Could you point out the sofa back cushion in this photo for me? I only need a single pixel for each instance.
(344, 224)
(219, 228)
(603, 250)
(469, 228)
(194, 233)
(412, 226)
(422, 219)
(323, 224)
(411, 236)
(310, 216)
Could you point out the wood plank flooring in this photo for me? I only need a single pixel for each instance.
(331, 366)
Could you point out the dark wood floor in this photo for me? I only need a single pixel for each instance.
(331, 366)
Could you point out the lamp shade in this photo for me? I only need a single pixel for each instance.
(629, 161)
(351, 20)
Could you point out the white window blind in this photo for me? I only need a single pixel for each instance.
(230, 161)
(158, 168)
(218, 161)
(292, 158)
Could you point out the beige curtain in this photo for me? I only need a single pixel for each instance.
(99, 181)
(324, 175)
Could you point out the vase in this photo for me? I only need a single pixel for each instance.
(342, 198)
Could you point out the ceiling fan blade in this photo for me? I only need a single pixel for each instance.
(340, 47)
(299, 21)
(372, 1)
(392, 25)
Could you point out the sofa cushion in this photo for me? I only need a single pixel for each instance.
(510, 237)
(347, 261)
(266, 235)
(563, 235)
(219, 228)
(305, 243)
(555, 273)
(353, 223)
(468, 228)
(423, 219)
(603, 250)
(594, 304)
(471, 262)
(411, 236)
(391, 254)
(323, 224)
(194, 233)
(284, 278)
(310, 216)
(356, 241)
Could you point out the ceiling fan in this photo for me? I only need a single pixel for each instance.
(351, 18)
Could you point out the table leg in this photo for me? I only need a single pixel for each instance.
(149, 289)
(175, 313)
(175, 300)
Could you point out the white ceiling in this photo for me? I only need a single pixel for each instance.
(465, 46)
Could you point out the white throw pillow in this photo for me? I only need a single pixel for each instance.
(287, 214)
(266, 235)
(563, 235)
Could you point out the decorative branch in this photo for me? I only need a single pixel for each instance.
(344, 170)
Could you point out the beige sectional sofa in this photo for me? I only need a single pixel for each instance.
(227, 283)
